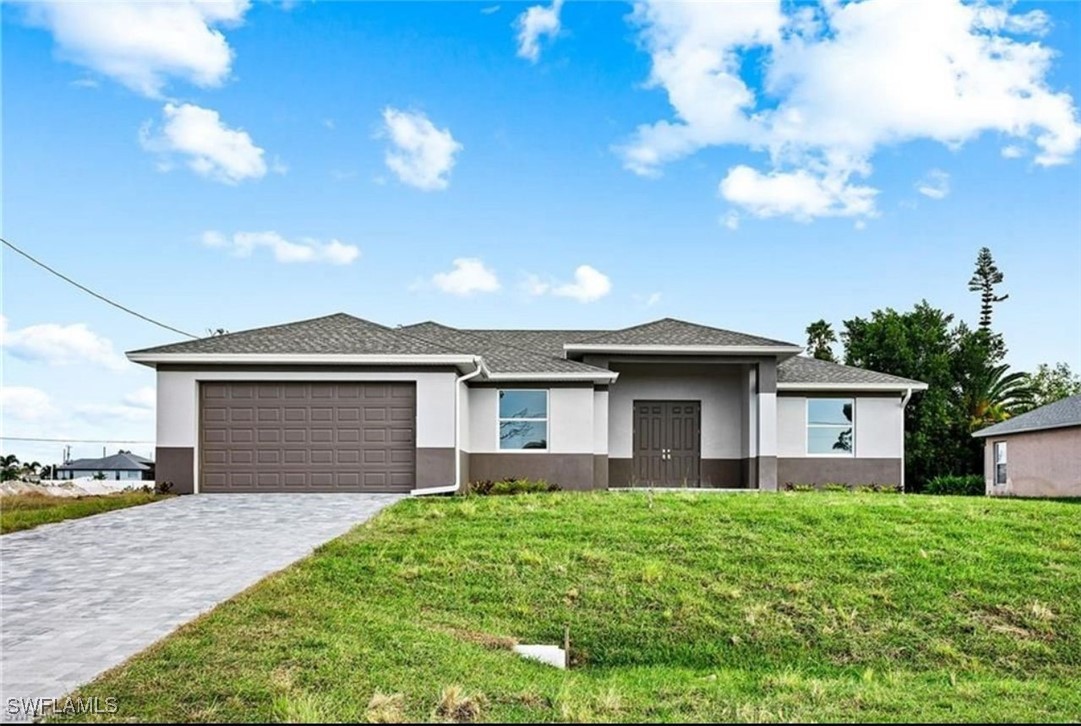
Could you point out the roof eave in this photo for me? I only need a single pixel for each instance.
(585, 376)
(155, 359)
(785, 351)
(899, 387)
(987, 432)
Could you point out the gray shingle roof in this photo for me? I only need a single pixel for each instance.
(338, 334)
(117, 462)
(1062, 413)
(544, 341)
(504, 351)
(669, 331)
(499, 355)
(800, 369)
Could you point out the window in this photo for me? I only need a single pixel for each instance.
(829, 426)
(1000, 463)
(523, 419)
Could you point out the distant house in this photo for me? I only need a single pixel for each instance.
(121, 466)
(1036, 454)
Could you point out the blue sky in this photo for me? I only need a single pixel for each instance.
(588, 164)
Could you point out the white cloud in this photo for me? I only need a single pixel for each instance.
(489, 10)
(60, 345)
(244, 244)
(649, 300)
(799, 194)
(470, 275)
(143, 44)
(97, 412)
(936, 184)
(422, 155)
(589, 285)
(1012, 151)
(731, 220)
(211, 148)
(23, 403)
(840, 81)
(145, 397)
(535, 22)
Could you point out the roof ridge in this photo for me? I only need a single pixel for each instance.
(401, 330)
(624, 330)
(697, 326)
(262, 328)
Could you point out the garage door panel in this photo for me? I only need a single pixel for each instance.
(289, 436)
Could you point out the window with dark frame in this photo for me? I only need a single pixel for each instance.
(1000, 463)
(523, 419)
(830, 429)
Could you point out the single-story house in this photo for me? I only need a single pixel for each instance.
(343, 404)
(1036, 454)
(121, 466)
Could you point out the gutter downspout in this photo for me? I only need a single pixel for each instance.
(904, 402)
(452, 488)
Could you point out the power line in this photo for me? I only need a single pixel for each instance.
(99, 296)
(73, 441)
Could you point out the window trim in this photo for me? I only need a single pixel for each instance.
(807, 426)
(547, 421)
(995, 464)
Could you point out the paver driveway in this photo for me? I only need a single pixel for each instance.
(81, 596)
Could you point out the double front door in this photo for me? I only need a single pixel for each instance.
(667, 443)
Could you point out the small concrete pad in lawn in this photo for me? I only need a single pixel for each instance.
(82, 596)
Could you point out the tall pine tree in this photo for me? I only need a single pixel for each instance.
(984, 280)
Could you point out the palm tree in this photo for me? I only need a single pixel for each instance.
(993, 394)
(9, 467)
(820, 340)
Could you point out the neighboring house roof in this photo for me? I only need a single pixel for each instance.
(1060, 414)
(808, 372)
(505, 354)
(117, 462)
(670, 331)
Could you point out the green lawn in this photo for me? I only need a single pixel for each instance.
(24, 511)
(808, 607)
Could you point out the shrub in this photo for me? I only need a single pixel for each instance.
(163, 487)
(971, 485)
(834, 486)
(510, 485)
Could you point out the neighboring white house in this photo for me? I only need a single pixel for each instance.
(343, 404)
(121, 466)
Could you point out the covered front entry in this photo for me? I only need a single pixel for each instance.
(667, 443)
(278, 436)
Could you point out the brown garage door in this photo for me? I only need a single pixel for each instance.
(307, 437)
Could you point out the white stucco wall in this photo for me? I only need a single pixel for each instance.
(718, 388)
(879, 426)
(464, 407)
(600, 422)
(570, 420)
(178, 400)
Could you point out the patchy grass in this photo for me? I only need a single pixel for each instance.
(681, 607)
(25, 511)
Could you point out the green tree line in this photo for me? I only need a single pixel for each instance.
(969, 385)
